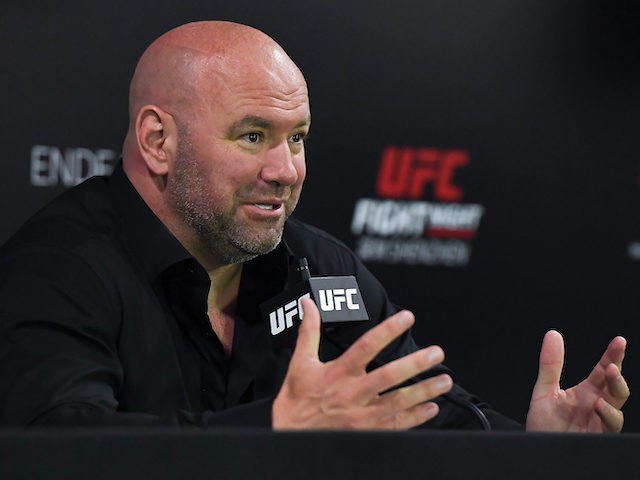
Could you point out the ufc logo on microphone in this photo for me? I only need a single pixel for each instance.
(333, 299)
(283, 317)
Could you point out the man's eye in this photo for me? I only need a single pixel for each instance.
(253, 137)
(297, 137)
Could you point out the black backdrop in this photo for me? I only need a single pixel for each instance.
(537, 227)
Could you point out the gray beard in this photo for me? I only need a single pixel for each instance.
(227, 241)
(217, 231)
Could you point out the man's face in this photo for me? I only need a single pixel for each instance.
(240, 163)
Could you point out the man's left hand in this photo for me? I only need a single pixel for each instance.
(594, 405)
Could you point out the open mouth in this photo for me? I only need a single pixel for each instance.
(266, 206)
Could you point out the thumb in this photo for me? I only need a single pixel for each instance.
(308, 340)
(551, 363)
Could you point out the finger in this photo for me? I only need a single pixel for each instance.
(613, 354)
(618, 346)
(411, 417)
(369, 345)
(550, 366)
(617, 386)
(403, 369)
(407, 397)
(308, 340)
(611, 417)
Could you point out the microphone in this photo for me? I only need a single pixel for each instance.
(338, 299)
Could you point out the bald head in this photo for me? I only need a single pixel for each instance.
(218, 114)
(190, 60)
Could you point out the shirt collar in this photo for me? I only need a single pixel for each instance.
(152, 246)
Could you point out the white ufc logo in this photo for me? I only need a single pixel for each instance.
(333, 299)
(282, 318)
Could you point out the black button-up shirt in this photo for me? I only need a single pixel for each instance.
(103, 319)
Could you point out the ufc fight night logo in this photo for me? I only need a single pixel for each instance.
(418, 217)
(406, 172)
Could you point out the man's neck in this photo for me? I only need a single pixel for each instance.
(221, 302)
(225, 282)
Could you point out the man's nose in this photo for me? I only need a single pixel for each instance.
(279, 166)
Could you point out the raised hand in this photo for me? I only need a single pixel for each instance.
(594, 405)
(341, 394)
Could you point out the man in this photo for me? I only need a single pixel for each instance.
(135, 299)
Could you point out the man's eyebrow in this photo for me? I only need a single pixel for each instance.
(251, 121)
(255, 121)
(304, 123)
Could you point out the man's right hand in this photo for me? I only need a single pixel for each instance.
(341, 394)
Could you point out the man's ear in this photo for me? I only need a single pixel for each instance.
(156, 133)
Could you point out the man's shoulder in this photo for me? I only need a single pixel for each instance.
(77, 216)
(321, 248)
(301, 232)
